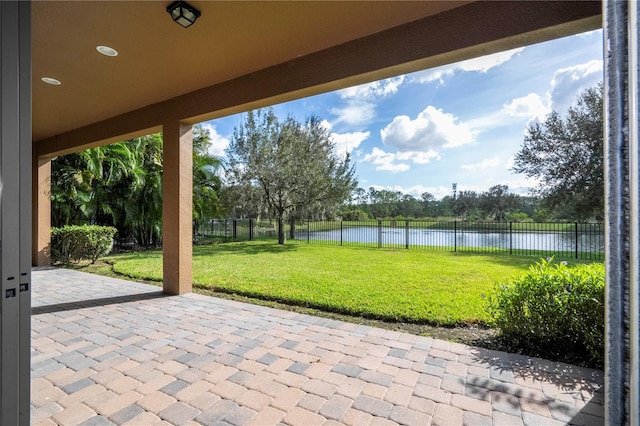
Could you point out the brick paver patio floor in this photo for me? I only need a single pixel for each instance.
(108, 351)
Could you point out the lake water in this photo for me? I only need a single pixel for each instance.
(539, 240)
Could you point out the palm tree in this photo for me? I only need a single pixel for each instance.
(206, 179)
(121, 185)
(143, 207)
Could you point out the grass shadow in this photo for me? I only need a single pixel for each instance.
(239, 248)
(244, 248)
(508, 259)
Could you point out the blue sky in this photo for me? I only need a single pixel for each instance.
(461, 123)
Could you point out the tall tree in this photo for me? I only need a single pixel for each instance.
(497, 202)
(294, 164)
(466, 204)
(565, 155)
(385, 203)
(428, 201)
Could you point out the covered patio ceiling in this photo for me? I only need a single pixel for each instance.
(242, 55)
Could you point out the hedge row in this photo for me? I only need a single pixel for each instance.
(75, 243)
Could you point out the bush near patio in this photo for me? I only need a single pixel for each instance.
(554, 310)
(74, 243)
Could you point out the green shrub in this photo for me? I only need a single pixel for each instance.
(554, 309)
(74, 243)
(353, 214)
(518, 217)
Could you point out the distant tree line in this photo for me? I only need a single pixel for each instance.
(495, 204)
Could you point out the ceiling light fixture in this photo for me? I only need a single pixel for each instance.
(183, 13)
(107, 51)
(51, 81)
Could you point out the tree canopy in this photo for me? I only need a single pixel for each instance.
(565, 155)
(292, 165)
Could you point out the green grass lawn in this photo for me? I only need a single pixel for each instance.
(437, 288)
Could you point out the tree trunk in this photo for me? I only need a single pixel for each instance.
(281, 238)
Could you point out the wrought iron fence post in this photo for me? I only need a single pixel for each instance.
(510, 237)
(235, 229)
(340, 232)
(455, 235)
(308, 231)
(406, 234)
(379, 233)
(576, 240)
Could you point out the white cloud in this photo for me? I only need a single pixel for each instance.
(359, 106)
(484, 164)
(418, 141)
(431, 131)
(393, 167)
(480, 64)
(345, 142)
(567, 83)
(418, 157)
(485, 63)
(375, 89)
(531, 107)
(219, 143)
(384, 161)
(396, 162)
(354, 113)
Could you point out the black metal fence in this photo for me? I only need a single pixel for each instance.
(563, 240)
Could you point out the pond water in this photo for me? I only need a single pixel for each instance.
(528, 240)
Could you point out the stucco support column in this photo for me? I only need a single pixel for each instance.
(41, 212)
(622, 177)
(177, 182)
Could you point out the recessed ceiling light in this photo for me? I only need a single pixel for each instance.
(107, 51)
(51, 81)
